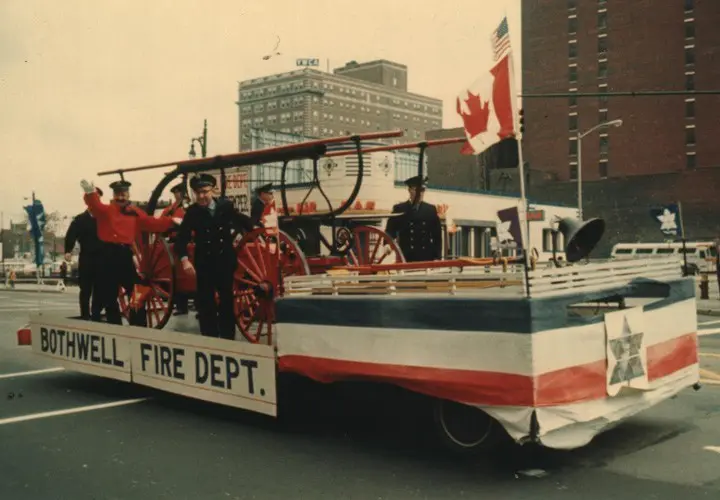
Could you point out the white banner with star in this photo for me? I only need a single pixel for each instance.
(626, 350)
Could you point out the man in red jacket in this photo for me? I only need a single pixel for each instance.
(177, 210)
(118, 225)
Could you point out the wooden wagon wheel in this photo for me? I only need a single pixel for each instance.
(259, 279)
(372, 246)
(155, 266)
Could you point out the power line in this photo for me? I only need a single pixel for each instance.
(639, 93)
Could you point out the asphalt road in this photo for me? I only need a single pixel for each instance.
(171, 447)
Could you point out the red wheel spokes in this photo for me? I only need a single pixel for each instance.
(154, 266)
(264, 258)
(367, 237)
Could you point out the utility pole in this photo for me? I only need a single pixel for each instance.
(2, 241)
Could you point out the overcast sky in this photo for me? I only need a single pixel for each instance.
(91, 85)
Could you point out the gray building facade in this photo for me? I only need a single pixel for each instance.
(357, 98)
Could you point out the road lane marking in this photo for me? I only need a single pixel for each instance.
(709, 382)
(704, 372)
(710, 354)
(33, 372)
(713, 448)
(69, 411)
(711, 322)
(708, 331)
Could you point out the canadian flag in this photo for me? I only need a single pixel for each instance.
(486, 106)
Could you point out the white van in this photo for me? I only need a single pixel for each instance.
(701, 255)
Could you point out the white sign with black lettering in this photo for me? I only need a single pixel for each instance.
(237, 187)
(221, 371)
(82, 346)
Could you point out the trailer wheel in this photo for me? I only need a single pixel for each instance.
(372, 246)
(464, 428)
(155, 267)
(262, 265)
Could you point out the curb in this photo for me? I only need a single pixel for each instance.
(708, 312)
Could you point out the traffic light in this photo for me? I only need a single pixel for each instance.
(522, 120)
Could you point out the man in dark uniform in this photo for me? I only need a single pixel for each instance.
(261, 204)
(418, 229)
(212, 221)
(118, 225)
(83, 230)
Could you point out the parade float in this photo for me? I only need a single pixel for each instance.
(501, 345)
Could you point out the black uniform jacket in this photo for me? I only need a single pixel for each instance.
(256, 212)
(83, 230)
(418, 231)
(213, 234)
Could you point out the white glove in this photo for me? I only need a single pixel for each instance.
(177, 220)
(87, 186)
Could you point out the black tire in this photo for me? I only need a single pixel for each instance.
(465, 429)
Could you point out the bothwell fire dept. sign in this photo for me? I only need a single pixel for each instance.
(222, 371)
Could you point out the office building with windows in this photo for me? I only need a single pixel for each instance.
(356, 98)
(600, 46)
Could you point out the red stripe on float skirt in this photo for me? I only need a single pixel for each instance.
(575, 384)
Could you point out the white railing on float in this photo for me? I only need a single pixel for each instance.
(451, 280)
(598, 276)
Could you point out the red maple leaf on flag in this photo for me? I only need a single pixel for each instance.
(476, 120)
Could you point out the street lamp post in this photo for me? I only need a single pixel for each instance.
(202, 140)
(611, 123)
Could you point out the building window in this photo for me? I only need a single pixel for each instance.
(689, 5)
(603, 169)
(573, 171)
(690, 161)
(602, 20)
(573, 74)
(690, 136)
(602, 69)
(573, 146)
(690, 81)
(548, 236)
(572, 101)
(602, 116)
(571, 4)
(689, 109)
(572, 49)
(602, 45)
(572, 25)
(573, 122)
(603, 144)
(689, 30)
(603, 99)
(689, 56)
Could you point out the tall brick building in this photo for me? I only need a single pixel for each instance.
(356, 98)
(614, 46)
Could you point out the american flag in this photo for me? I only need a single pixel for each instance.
(500, 39)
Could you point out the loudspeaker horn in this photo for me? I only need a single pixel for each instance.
(580, 237)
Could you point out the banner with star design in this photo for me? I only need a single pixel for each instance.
(509, 232)
(669, 219)
(626, 350)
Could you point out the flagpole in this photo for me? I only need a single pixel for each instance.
(680, 215)
(525, 228)
(683, 239)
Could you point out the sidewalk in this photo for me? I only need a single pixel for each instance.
(34, 287)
